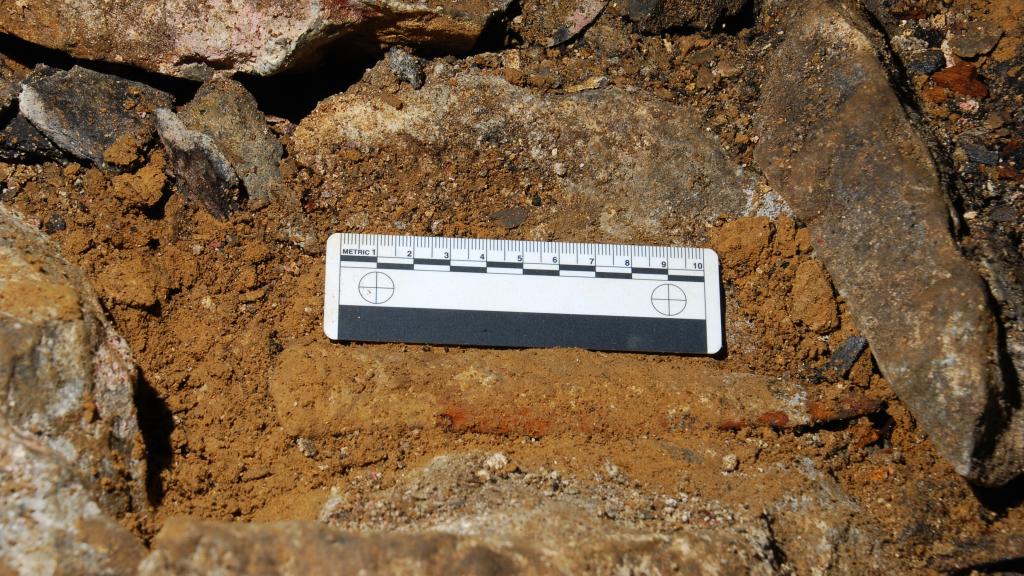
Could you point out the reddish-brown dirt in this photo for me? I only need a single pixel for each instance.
(250, 414)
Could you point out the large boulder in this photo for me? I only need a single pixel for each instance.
(837, 144)
(191, 39)
(638, 164)
(66, 377)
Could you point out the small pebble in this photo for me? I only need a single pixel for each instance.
(559, 169)
(496, 461)
(730, 463)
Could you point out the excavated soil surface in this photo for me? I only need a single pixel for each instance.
(250, 414)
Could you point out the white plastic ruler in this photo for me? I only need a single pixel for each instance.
(512, 293)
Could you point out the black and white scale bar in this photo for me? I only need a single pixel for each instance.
(557, 270)
(508, 293)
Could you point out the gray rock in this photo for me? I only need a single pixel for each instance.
(201, 170)
(50, 519)
(837, 145)
(624, 148)
(226, 112)
(192, 38)
(97, 117)
(659, 15)
(65, 375)
(977, 39)
(407, 68)
(980, 154)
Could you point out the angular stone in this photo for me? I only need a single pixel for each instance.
(226, 112)
(19, 139)
(50, 519)
(65, 375)
(659, 15)
(86, 113)
(624, 148)
(838, 146)
(189, 38)
(201, 170)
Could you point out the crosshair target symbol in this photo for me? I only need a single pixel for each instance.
(668, 299)
(376, 287)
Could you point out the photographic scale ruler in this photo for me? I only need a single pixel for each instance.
(511, 293)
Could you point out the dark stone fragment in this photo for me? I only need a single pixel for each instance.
(86, 112)
(20, 141)
(981, 154)
(226, 112)
(845, 356)
(55, 224)
(511, 217)
(925, 61)
(202, 172)
(873, 202)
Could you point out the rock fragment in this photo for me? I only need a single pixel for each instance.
(226, 112)
(189, 38)
(978, 39)
(870, 196)
(65, 375)
(86, 112)
(962, 78)
(407, 68)
(201, 170)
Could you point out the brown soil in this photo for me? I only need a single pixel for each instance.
(250, 414)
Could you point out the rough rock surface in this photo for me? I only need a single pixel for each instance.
(630, 144)
(65, 375)
(226, 112)
(660, 15)
(189, 38)
(870, 194)
(11, 74)
(554, 539)
(94, 116)
(50, 519)
(201, 170)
